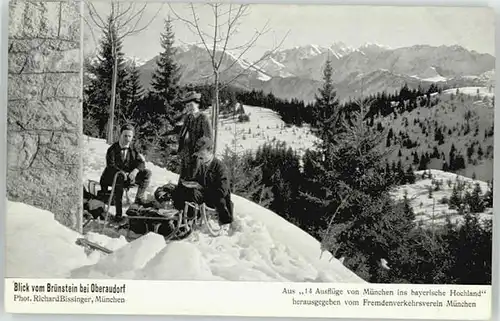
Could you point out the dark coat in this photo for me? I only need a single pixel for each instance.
(192, 130)
(115, 163)
(216, 189)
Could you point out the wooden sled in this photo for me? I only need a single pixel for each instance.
(169, 222)
(103, 196)
(180, 223)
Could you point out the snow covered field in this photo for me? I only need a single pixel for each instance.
(262, 247)
(265, 126)
(431, 210)
(472, 91)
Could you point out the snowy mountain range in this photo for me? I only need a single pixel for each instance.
(420, 61)
(297, 72)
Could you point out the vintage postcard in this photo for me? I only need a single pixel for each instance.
(250, 159)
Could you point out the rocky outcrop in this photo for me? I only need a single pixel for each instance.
(44, 121)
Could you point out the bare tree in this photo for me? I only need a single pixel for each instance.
(215, 38)
(124, 20)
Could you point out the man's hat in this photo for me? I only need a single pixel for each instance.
(192, 96)
(202, 144)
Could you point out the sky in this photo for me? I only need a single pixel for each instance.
(323, 25)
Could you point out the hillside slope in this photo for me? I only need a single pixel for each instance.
(462, 117)
(265, 126)
(432, 208)
(263, 246)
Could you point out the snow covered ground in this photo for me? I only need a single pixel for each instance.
(472, 91)
(262, 247)
(37, 245)
(431, 210)
(265, 126)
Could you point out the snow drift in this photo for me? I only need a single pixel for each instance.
(37, 246)
(261, 247)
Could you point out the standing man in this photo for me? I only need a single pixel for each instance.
(122, 156)
(196, 125)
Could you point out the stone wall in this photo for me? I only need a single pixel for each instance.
(44, 121)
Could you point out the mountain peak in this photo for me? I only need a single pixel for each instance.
(374, 45)
(189, 46)
(308, 51)
(133, 60)
(340, 49)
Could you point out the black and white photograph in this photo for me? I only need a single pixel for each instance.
(250, 142)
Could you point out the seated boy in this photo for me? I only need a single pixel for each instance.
(210, 185)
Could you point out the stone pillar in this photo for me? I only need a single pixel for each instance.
(44, 118)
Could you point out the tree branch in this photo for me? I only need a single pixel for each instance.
(123, 13)
(230, 24)
(94, 15)
(342, 204)
(91, 30)
(139, 14)
(131, 18)
(194, 25)
(249, 45)
(267, 55)
(216, 16)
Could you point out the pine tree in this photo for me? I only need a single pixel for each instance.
(410, 175)
(452, 162)
(363, 220)
(158, 115)
(416, 159)
(131, 97)
(327, 110)
(438, 136)
(313, 196)
(407, 209)
(400, 173)
(488, 196)
(480, 153)
(435, 152)
(476, 200)
(281, 171)
(245, 179)
(167, 74)
(326, 119)
(92, 114)
(97, 91)
(455, 199)
(423, 162)
(472, 250)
